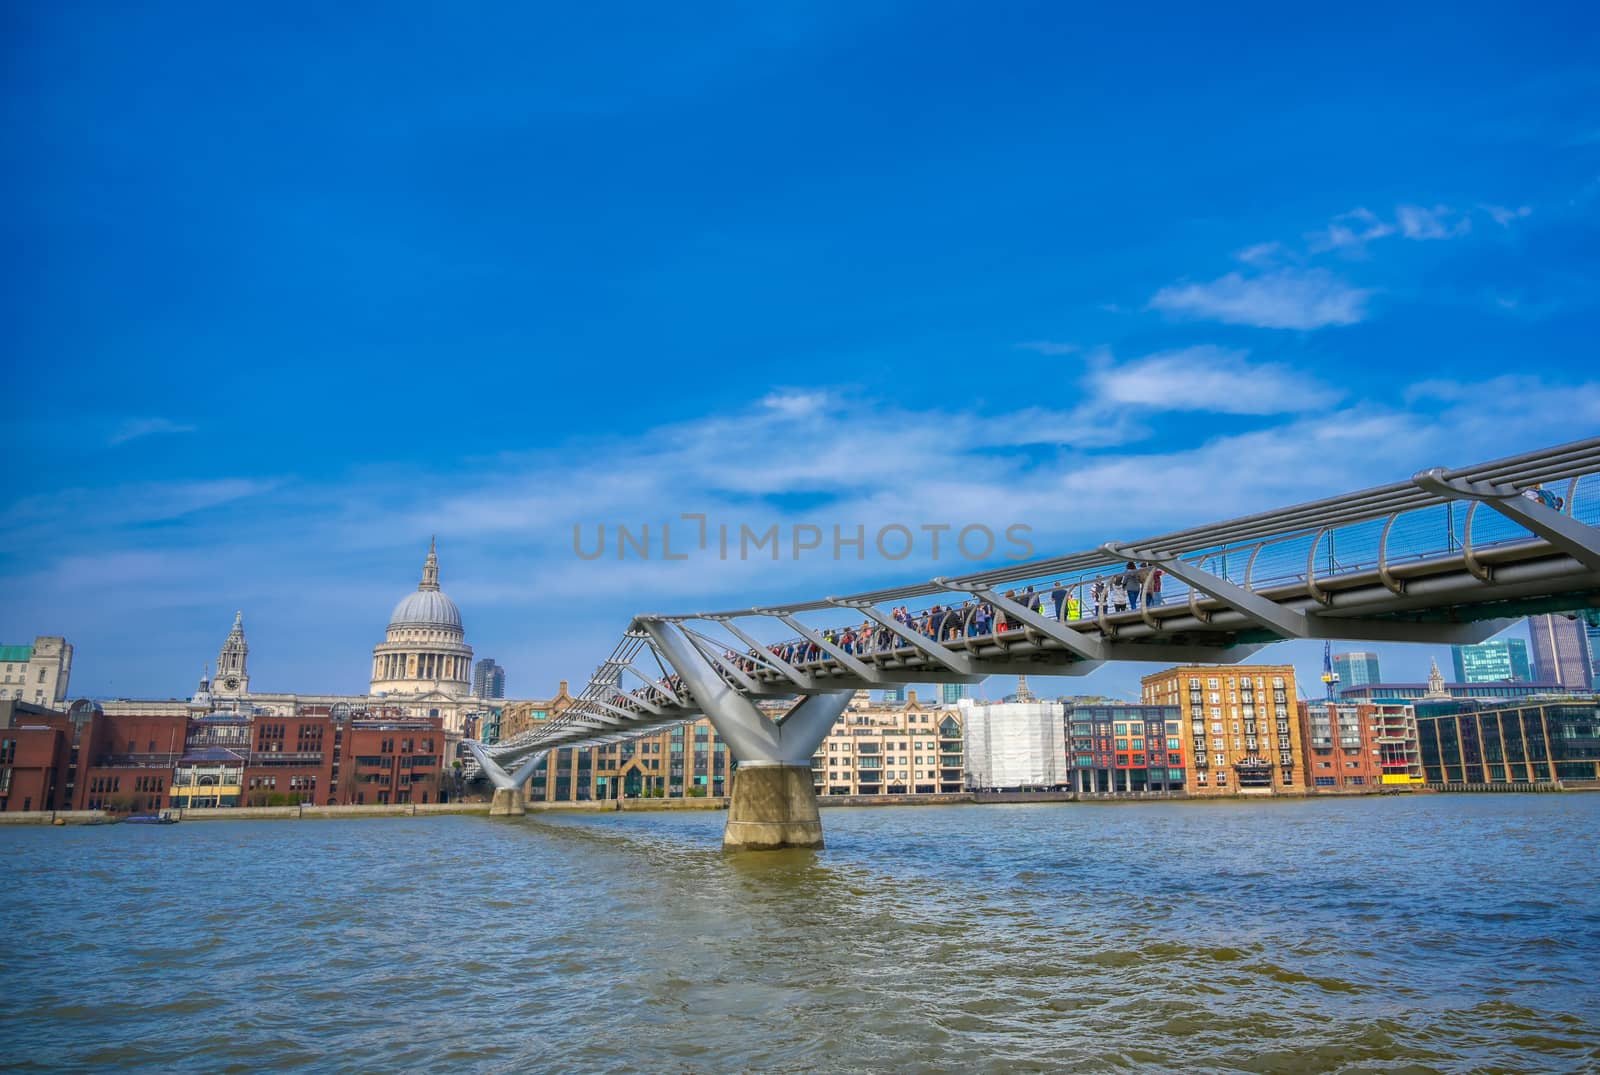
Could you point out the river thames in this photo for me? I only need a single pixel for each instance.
(1449, 933)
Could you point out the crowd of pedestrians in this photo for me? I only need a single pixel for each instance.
(1135, 585)
(1125, 590)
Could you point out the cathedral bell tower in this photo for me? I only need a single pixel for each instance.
(233, 672)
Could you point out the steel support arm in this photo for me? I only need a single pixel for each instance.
(860, 669)
(625, 714)
(956, 662)
(1090, 649)
(496, 773)
(1293, 623)
(749, 734)
(805, 726)
(1577, 540)
(717, 660)
(1288, 622)
(799, 678)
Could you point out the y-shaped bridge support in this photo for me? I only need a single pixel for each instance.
(509, 800)
(774, 803)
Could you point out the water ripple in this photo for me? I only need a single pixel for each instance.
(1428, 934)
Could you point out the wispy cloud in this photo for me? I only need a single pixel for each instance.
(1049, 347)
(134, 428)
(1504, 216)
(795, 404)
(1261, 253)
(1292, 299)
(338, 554)
(1210, 379)
(1440, 222)
(1350, 232)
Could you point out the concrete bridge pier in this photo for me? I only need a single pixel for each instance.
(509, 799)
(773, 802)
(772, 807)
(508, 802)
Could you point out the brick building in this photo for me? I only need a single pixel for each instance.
(86, 760)
(1353, 748)
(1237, 725)
(35, 746)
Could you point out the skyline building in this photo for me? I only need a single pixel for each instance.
(1356, 669)
(1499, 660)
(1561, 651)
(38, 673)
(951, 693)
(488, 679)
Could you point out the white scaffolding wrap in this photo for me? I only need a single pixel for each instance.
(1016, 745)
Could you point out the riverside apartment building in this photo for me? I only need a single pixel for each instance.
(1238, 727)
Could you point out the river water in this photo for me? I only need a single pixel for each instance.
(1451, 933)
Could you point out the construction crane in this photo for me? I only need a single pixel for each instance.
(1330, 678)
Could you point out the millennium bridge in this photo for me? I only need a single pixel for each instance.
(1450, 556)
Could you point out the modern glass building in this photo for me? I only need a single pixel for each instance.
(1408, 692)
(1356, 669)
(1499, 661)
(1525, 744)
(951, 693)
(1561, 651)
(489, 679)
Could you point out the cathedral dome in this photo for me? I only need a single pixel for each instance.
(426, 608)
(425, 650)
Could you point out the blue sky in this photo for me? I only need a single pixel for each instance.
(292, 289)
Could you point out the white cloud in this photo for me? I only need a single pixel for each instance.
(1503, 216)
(1419, 223)
(316, 568)
(795, 404)
(1287, 298)
(134, 428)
(1210, 379)
(1260, 253)
(1350, 232)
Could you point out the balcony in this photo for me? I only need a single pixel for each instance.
(137, 761)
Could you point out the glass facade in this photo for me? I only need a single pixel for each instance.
(1356, 669)
(1561, 651)
(1528, 744)
(1499, 661)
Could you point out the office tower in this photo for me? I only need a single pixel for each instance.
(1356, 669)
(1499, 661)
(488, 679)
(1561, 651)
